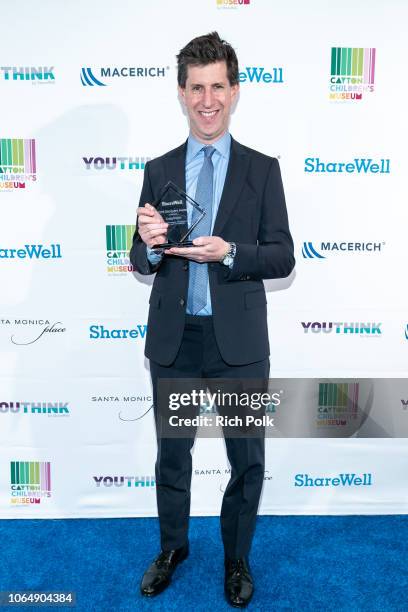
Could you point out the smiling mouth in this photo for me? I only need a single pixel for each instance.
(208, 114)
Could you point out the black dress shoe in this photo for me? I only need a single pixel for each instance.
(158, 575)
(239, 586)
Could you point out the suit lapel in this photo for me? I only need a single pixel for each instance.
(234, 182)
(175, 163)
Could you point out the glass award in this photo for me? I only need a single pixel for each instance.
(172, 205)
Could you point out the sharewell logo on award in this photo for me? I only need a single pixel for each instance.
(352, 73)
(18, 163)
(118, 244)
(30, 482)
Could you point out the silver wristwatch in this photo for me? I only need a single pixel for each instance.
(229, 257)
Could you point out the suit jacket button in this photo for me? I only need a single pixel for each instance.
(182, 301)
(185, 266)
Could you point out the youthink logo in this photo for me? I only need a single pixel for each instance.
(342, 480)
(361, 165)
(49, 408)
(88, 78)
(327, 327)
(115, 163)
(125, 481)
(260, 75)
(311, 252)
(42, 74)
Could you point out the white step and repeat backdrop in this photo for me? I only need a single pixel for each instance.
(87, 95)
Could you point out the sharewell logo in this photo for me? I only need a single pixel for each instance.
(118, 244)
(360, 165)
(260, 75)
(102, 333)
(352, 73)
(18, 163)
(88, 78)
(311, 252)
(32, 251)
(342, 480)
(30, 481)
(337, 404)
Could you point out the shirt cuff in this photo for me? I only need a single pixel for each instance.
(153, 257)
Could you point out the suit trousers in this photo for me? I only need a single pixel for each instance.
(199, 357)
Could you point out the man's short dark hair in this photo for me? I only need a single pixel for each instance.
(205, 50)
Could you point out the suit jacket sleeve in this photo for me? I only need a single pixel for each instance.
(272, 256)
(138, 255)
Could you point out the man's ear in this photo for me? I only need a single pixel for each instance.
(234, 91)
(182, 93)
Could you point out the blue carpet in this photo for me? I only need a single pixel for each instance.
(300, 563)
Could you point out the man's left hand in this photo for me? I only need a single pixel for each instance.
(207, 248)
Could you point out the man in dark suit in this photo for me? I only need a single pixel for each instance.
(208, 309)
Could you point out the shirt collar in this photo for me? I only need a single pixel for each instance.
(222, 145)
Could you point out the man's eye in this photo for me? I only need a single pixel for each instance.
(219, 86)
(196, 88)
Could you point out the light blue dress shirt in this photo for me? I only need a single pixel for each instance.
(194, 161)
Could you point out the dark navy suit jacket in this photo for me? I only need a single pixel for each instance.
(252, 213)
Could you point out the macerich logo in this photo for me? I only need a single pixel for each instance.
(337, 404)
(125, 481)
(49, 408)
(42, 74)
(101, 332)
(32, 251)
(89, 79)
(352, 73)
(30, 481)
(260, 75)
(342, 480)
(119, 240)
(18, 163)
(361, 165)
(115, 163)
(327, 327)
(311, 252)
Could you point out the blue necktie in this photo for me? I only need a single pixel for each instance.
(198, 272)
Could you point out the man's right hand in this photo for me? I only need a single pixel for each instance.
(151, 226)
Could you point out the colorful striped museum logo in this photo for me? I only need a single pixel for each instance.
(230, 4)
(352, 72)
(18, 163)
(337, 404)
(30, 481)
(119, 240)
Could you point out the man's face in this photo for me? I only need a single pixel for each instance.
(208, 97)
